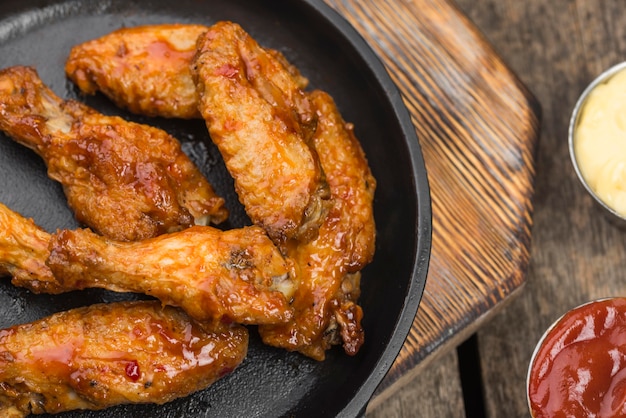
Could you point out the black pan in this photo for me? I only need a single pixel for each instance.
(270, 382)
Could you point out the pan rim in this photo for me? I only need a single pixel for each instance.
(423, 227)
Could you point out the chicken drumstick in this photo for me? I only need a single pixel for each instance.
(126, 180)
(109, 354)
(236, 275)
(23, 253)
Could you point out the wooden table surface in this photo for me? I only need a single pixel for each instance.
(556, 48)
(475, 102)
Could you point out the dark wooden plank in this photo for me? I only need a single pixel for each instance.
(557, 47)
(436, 392)
(478, 128)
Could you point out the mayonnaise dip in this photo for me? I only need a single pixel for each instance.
(600, 142)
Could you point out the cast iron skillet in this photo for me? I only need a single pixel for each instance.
(270, 382)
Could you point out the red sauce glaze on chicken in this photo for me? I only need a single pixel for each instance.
(109, 354)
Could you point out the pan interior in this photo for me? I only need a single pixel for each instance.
(270, 382)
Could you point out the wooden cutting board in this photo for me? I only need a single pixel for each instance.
(478, 128)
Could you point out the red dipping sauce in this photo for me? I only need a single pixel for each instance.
(579, 366)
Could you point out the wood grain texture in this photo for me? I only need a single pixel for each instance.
(478, 129)
(557, 48)
(436, 392)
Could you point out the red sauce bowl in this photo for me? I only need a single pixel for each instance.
(579, 366)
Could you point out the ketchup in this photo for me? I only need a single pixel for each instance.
(579, 368)
(132, 370)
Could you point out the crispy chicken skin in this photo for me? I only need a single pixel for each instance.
(236, 275)
(328, 268)
(261, 121)
(125, 180)
(109, 354)
(23, 253)
(144, 69)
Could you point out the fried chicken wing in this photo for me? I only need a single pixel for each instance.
(144, 69)
(236, 275)
(23, 253)
(261, 121)
(109, 354)
(325, 302)
(125, 180)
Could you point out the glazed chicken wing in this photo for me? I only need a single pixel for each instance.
(236, 275)
(325, 302)
(261, 121)
(23, 253)
(110, 354)
(144, 69)
(125, 180)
